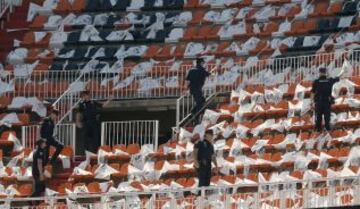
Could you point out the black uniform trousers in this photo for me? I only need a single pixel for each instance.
(51, 141)
(322, 109)
(38, 186)
(92, 135)
(199, 100)
(204, 175)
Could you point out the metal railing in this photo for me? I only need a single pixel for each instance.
(129, 132)
(68, 100)
(49, 85)
(161, 81)
(319, 193)
(4, 5)
(184, 105)
(65, 133)
(156, 81)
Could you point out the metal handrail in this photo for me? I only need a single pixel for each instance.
(307, 184)
(293, 69)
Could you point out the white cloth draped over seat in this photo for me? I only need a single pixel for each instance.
(7, 87)
(311, 41)
(136, 4)
(101, 19)
(156, 26)
(17, 56)
(305, 11)
(120, 35)
(229, 30)
(24, 70)
(250, 44)
(343, 84)
(104, 172)
(53, 22)
(148, 84)
(131, 51)
(124, 83)
(344, 38)
(193, 49)
(265, 13)
(90, 33)
(142, 68)
(285, 8)
(345, 21)
(175, 34)
(9, 120)
(183, 18)
(243, 12)
(57, 39)
(33, 11)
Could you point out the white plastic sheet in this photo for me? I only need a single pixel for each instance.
(17, 145)
(9, 120)
(104, 172)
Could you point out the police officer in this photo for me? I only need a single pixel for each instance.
(90, 121)
(196, 80)
(321, 96)
(39, 162)
(204, 154)
(47, 133)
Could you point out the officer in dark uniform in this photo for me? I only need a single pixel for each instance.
(196, 80)
(47, 133)
(90, 121)
(39, 162)
(204, 154)
(321, 95)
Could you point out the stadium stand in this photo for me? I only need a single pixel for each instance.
(268, 50)
(142, 48)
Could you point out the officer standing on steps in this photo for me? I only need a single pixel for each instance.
(196, 79)
(204, 154)
(38, 167)
(322, 98)
(90, 121)
(47, 133)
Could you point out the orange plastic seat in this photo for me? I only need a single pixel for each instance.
(25, 190)
(38, 22)
(94, 187)
(106, 148)
(270, 28)
(296, 26)
(24, 118)
(78, 6)
(133, 149)
(67, 151)
(124, 170)
(190, 33)
(191, 4)
(4, 101)
(115, 166)
(63, 7)
(166, 52)
(197, 17)
(152, 51)
(320, 9)
(203, 33)
(335, 8)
